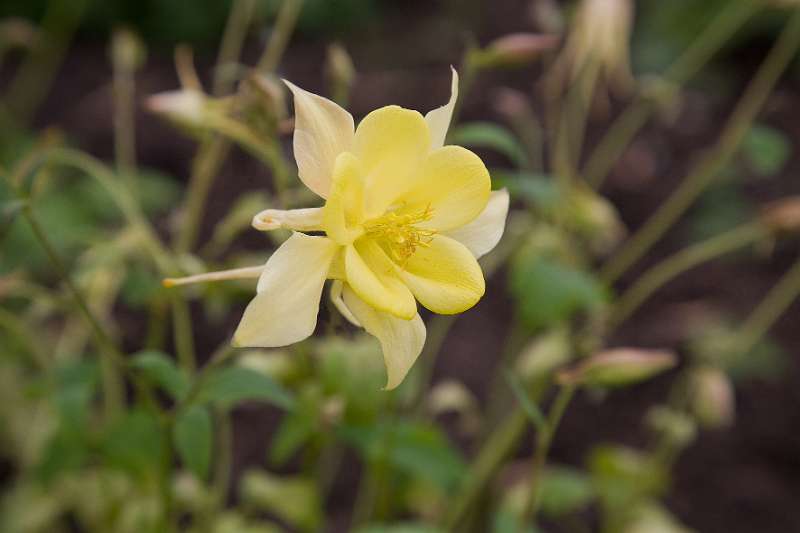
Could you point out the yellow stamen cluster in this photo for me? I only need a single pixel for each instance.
(399, 234)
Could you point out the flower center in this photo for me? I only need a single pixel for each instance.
(398, 233)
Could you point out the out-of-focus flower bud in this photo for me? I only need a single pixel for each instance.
(653, 518)
(16, 32)
(619, 367)
(263, 96)
(332, 410)
(453, 396)
(600, 36)
(544, 354)
(186, 107)
(341, 73)
(712, 397)
(127, 50)
(515, 49)
(277, 364)
(547, 15)
(782, 215)
(595, 218)
(512, 104)
(293, 499)
(677, 427)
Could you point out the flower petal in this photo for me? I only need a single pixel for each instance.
(372, 275)
(391, 143)
(401, 340)
(344, 210)
(336, 297)
(285, 309)
(455, 184)
(294, 219)
(439, 119)
(444, 276)
(322, 130)
(482, 234)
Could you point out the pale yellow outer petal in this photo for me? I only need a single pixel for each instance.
(455, 184)
(309, 219)
(444, 276)
(322, 131)
(482, 234)
(391, 143)
(401, 340)
(336, 297)
(373, 276)
(344, 211)
(439, 119)
(285, 309)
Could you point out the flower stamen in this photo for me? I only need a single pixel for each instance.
(399, 234)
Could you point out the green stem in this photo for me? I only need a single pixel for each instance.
(544, 442)
(702, 174)
(231, 47)
(284, 26)
(124, 90)
(491, 455)
(35, 77)
(774, 304)
(113, 357)
(625, 127)
(679, 263)
(184, 338)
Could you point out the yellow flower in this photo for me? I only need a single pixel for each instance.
(405, 219)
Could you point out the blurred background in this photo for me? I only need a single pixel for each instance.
(68, 67)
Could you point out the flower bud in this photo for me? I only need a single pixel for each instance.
(516, 49)
(595, 218)
(18, 32)
(712, 397)
(782, 215)
(453, 396)
(544, 354)
(340, 71)
(186, 107)
(127, 50)
(677, 427)
(619, 367)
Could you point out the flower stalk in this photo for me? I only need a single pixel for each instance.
(709, 168)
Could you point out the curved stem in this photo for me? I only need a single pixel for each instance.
(496, 449)
(543, 443)
(231, 46)
(679, 263)
(284, 26)
(625, 127)
(774, 304)
(703, 174)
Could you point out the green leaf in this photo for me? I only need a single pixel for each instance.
(548, 291)
(538, 190)
(565, 490)
(294, 499)
(232, 385)
(531, 409)
(160, 369)
(192, 436)
(404, 527)
(491, 136)
(420, 450)
(767, 150)
(157, 192)
(133, 443)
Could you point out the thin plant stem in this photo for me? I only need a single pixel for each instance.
(634, 117)
(679, 263)
(183, 335)
(284, 26)
(774, 304)
(543, 443)
(701, 176)
(231, 47)
(124, 90)
(224, 456)
(113, 357)
(35, 77)
(491, 455)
